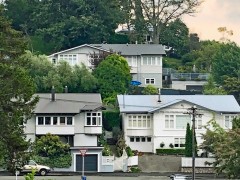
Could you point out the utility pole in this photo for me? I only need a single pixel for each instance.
(193, 113)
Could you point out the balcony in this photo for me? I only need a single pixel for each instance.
(58, 129)
(93, 130)
(189, 76)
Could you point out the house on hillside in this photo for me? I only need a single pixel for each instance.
(76, 119)
(145, 60)
(149, 120)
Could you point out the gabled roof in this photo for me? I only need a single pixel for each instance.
(149, 103)
(68, 103)
(124, 49)
(83, 45)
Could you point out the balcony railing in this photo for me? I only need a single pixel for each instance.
(93, 129)
(189, 76)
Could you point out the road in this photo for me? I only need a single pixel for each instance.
(88, 178)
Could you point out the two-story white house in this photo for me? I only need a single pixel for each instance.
(76, 118)
(145, 60)
(149, 120)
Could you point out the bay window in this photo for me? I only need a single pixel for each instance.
(93, 119)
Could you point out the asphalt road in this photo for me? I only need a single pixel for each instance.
(87, 178)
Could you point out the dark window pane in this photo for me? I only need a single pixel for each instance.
(40, 120)
(47, 120)
(131, 139)
(94, 121)
(62, 120)
(143, 139)
(55, 120)
(137, 139)
(88, 121)
(149, 139)
(69, 120)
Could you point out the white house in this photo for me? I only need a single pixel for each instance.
(76, 119)
(149, 120)
(145, 60)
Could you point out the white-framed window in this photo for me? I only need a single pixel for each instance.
(152, 60)
(228, 121)
(179, 142)
(93, 119)
(132, 60)
(70, 58)
(149, 81)
(179, 121)
(54, 120)
(182, 120)
(140, 139)
(139, 121)
(169, 121)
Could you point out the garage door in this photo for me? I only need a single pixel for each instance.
(90, 162)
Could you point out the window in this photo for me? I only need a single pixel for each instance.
(228, 121)
(69, 121)
(149, 139)
(140, 139)
(93, 119)
(179, 142)
(169, 121)
(182, 120)
(149, 81)
(132, 60)
(47, 120)
(198, 122)
(70, 58)
(131, 139)
(152, 60)
(40, 120)
(139, 121)
(62, 120)
(54, 120)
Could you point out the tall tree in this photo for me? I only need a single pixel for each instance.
(226, 62)
(17, 89)
(113, 75)
(158, 13)
(188, 142)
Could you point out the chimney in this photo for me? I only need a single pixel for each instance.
(66, 89)
(53, 95)
(159, 95)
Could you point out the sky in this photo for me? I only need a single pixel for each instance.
(213, 14)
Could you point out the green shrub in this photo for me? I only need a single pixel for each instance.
(170, 151)
(111, 119)
(31, 175)
(129, 151)
(107, 151)
(135, 169)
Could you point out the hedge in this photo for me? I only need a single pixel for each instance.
(111, 119)
(170, 151)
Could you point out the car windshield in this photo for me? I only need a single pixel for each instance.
(31, 163)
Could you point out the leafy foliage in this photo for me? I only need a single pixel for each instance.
(111, 119)
(16, 101)
(113, 75)
(225, 147)
(51, 151)
(171, 151)
(150, 90)
(121, 145)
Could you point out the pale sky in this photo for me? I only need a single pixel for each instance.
(213, 14)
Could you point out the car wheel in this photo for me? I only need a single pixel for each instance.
(43, 172)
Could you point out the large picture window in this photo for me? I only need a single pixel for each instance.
(139, 121)
(151, 60)
(70, 58)
(182, 120)
(93, 119)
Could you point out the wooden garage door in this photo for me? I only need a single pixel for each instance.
(90, 162)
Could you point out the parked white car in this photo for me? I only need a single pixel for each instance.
(40, 169)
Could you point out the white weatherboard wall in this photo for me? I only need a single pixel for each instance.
(161, 134)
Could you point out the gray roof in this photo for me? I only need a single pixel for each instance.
(149, 103)
(124, 49)
(133, 49)
(68, 103)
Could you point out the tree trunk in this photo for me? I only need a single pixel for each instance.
(155, 36)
